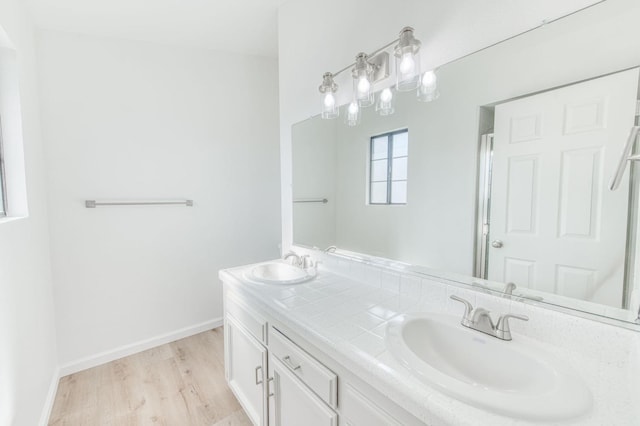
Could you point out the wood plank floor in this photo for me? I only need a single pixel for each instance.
(177, 384)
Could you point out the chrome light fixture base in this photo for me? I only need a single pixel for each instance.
(381, 68)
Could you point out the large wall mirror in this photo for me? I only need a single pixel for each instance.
(504, 180)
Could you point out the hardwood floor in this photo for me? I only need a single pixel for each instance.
(177, 384)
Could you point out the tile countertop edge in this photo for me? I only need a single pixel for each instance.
(394, 388)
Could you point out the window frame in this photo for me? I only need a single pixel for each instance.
(390, 138)
(3, 178)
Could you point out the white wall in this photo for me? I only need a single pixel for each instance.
(28, 364)
(315, 170)
(134, 120)
(435, 205)
(448, 30)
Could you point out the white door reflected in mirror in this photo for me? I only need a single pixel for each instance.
(558, 227)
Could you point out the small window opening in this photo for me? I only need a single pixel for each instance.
(3, 180)
(388, 168)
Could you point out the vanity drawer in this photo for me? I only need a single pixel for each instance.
(248, 318)
(316, 376)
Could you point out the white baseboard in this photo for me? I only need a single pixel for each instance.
(133, 348)
(51, 397)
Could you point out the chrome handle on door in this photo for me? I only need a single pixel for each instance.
(258, 382)
(287, 360)
(269, 381)
(496, 244)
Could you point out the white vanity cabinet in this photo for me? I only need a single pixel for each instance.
(358, 410)
(245, 369)
(304, 390)
(293, 403)
(246, 358)
(281, 382)
(285, 381)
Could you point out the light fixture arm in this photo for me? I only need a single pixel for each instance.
(370, 55)
(385, 47)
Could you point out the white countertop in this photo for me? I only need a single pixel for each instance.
(346, 319)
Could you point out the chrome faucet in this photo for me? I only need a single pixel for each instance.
(307, 262)
(297, 259)
(507, 291)
(300, 261)
(480, 319)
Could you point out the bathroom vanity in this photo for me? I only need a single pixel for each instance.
(514, 194)
(318, 353)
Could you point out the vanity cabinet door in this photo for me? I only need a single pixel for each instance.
(293, 403)
(246, 369)
(358, 410)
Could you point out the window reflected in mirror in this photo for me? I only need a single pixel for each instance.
(389, 155)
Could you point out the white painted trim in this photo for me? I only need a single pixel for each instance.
(51, 396)
(133, 348)
(7, 219)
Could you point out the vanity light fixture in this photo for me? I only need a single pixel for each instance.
(362, 76)
(353, 114)
(369, 69)
(428, 88)
(384, 106)
(328, 89)
(407, 61)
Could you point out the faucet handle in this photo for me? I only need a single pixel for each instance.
(306, 262)
(502, 328)
(468, 306)
(508, 288)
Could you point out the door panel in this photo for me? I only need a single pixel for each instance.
(581, 187)
(558, 226)
(522, 201)
(294, 404)
(246, 370)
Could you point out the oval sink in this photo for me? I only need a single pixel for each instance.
(278, 273)
(512, 378)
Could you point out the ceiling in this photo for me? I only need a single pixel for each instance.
(242, 26)
(248, 26)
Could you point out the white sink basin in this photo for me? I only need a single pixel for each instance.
(278, 273)
(513, 378)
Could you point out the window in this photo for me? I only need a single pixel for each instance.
(13, 187)
(388, 168)
(3, 187)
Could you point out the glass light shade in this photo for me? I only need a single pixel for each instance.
(329, 106)
(362, 81)
(328, 90)
(385, 106)
(428, 89)
(352, 117)
(407, 61)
